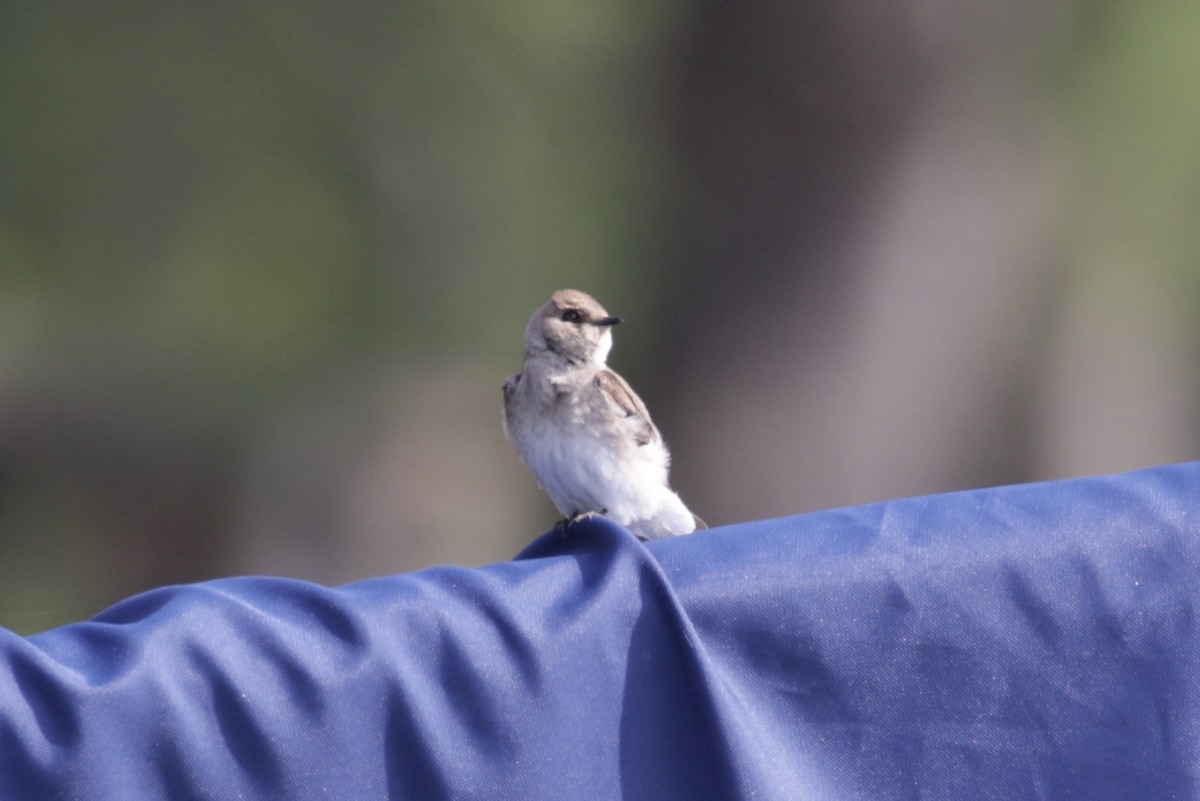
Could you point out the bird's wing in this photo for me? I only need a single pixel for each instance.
(628, 405)
(510, 388)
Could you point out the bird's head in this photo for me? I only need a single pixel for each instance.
(573, 326)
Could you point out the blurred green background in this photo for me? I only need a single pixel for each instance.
(264, 268)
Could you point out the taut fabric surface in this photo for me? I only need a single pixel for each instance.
(1034, 642)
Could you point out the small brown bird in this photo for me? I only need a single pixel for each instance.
(581, 429)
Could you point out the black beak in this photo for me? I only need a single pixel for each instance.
(607, 321)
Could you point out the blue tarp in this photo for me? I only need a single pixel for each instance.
(1035, 641)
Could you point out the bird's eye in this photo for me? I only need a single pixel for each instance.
(572, 316)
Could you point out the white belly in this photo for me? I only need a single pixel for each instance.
(582, 473)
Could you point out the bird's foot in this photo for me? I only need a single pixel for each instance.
(581, 516)
(565, 524)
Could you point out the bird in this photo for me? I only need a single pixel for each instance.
(582, 431)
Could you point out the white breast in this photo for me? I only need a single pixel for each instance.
(585, 467)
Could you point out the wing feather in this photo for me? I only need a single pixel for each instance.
(625, 401)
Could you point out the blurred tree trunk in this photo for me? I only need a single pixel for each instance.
(857, 282)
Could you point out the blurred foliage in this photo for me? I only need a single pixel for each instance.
(256, 183)
(1139, 142)
(213, 214)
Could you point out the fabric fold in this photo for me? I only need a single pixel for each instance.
(1035, 641)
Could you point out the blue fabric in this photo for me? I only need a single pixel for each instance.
(1025, 642)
